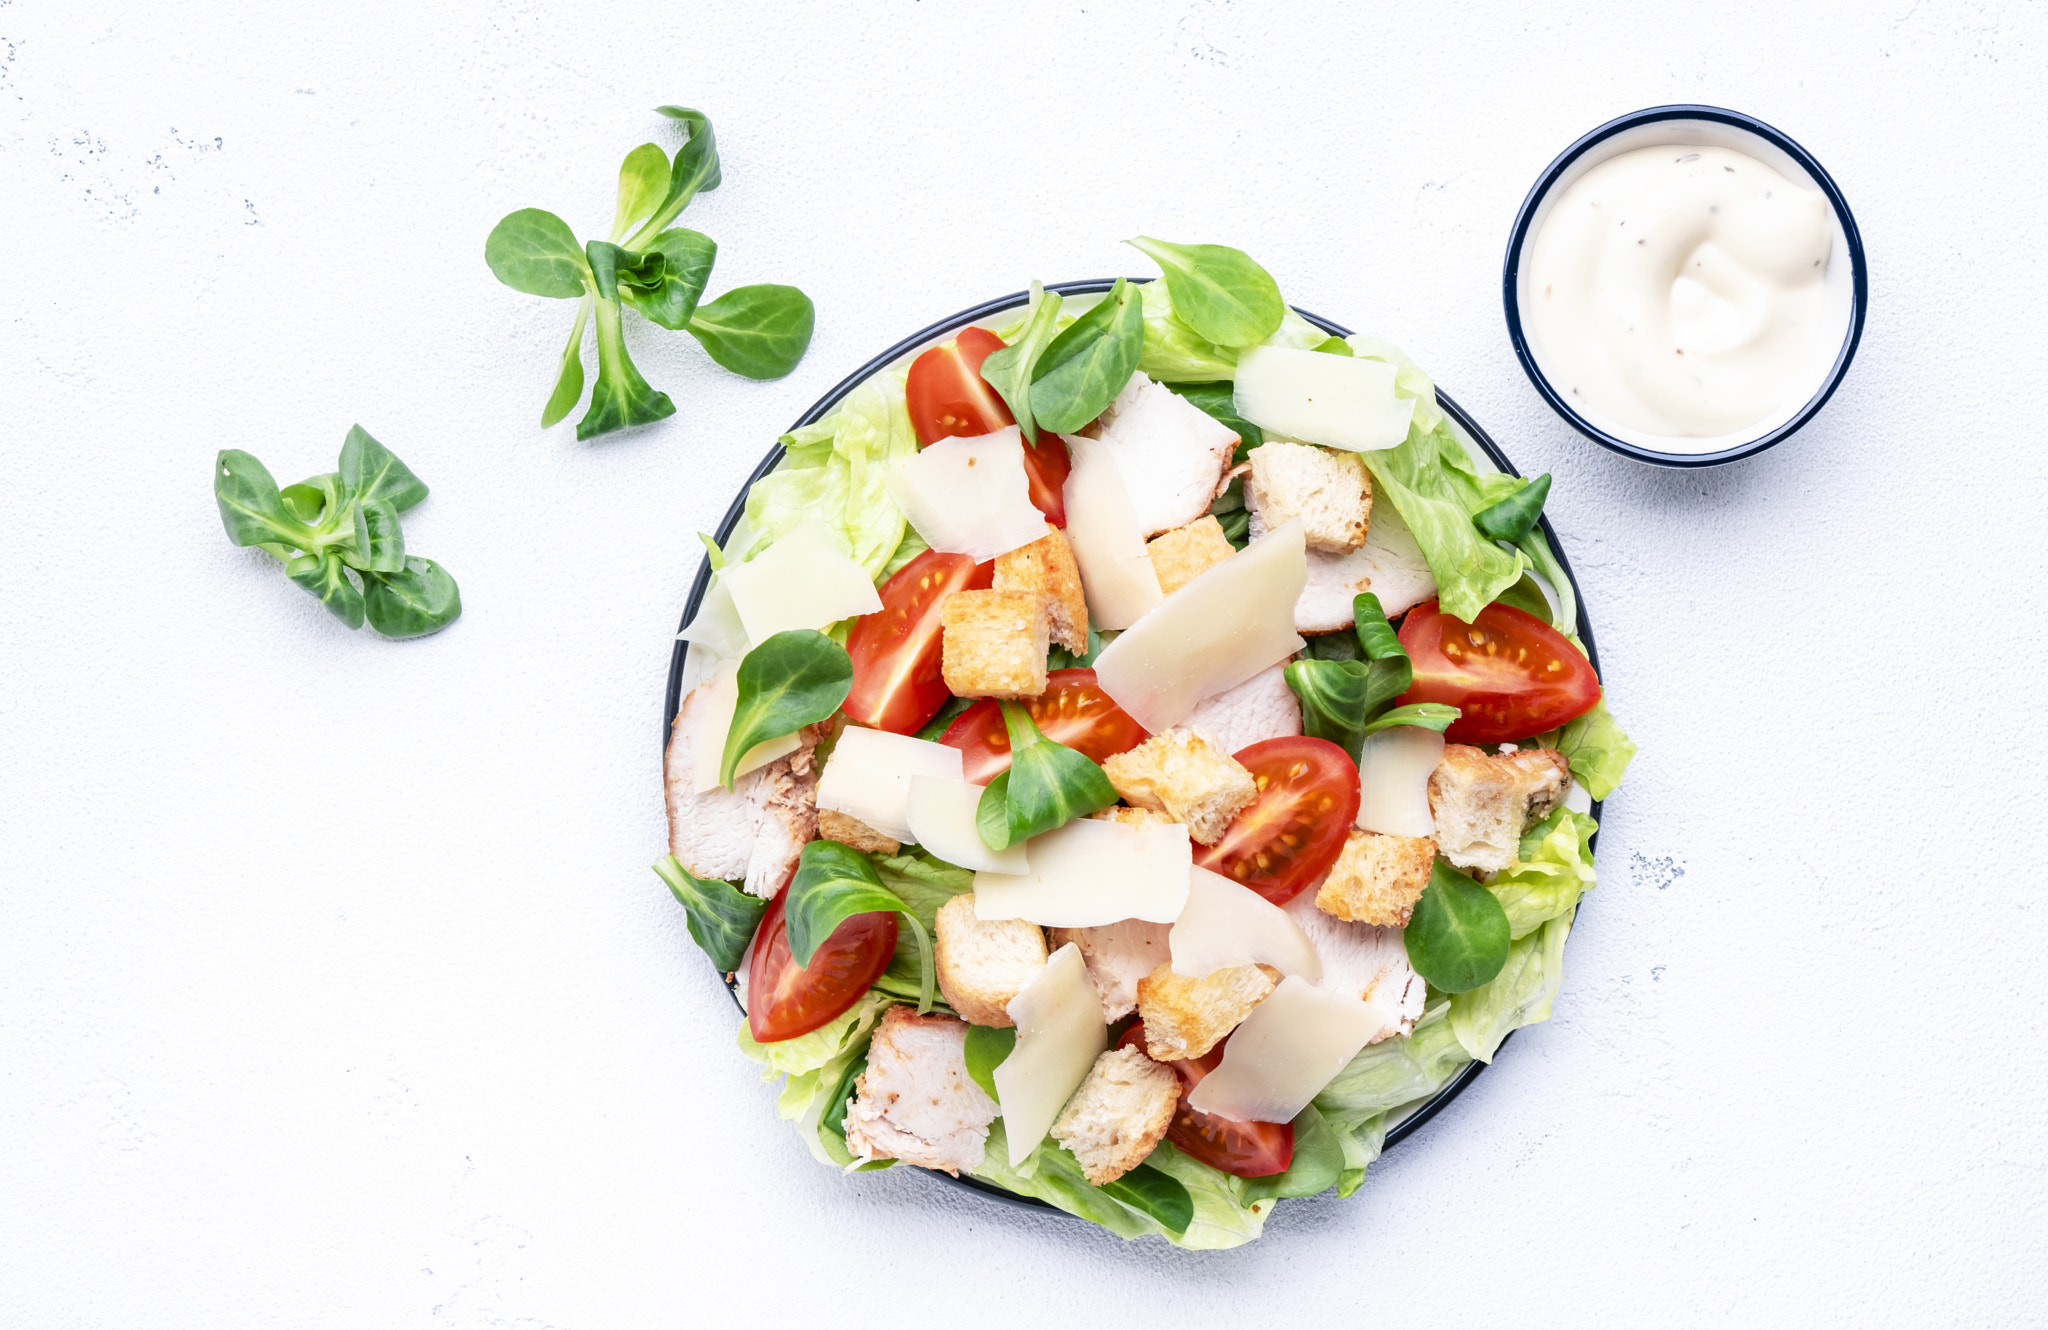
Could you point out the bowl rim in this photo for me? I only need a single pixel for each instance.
(1518, 236)
(672, 693)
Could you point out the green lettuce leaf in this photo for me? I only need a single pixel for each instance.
(1176, 353)
(1553, 869)
(807, 1053)
(1430, 480)
(1519, 995)
(1394, 1072)
(923, 882)
(1318, 1163)
(1597, 749)
(834, 473)
(1221, 1217)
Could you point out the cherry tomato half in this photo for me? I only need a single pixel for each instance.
(1287, 838)
(785, 1000)
(1073, 710)
(896, 650)
(947, 396)
(1512, 674)
(1242, 1149)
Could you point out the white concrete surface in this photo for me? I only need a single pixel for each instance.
(334, 988)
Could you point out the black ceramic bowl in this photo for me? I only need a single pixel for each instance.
(1466, 427)
(1847, 282)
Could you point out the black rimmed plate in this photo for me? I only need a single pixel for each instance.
(1468, 428)
(1692, 125)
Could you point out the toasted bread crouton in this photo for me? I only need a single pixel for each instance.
(1119, 1114)
(1185, 553)
(1262, 707)
(1368, 963)
(835, 825)
(1185, 1018)
(1119, 955)
(751, 834)
(983, 964)
(1329, 490)
(1181, 774)
(1483, 802)
(916, 1102)
(1046, 567)
(1377, 879)
(1131, 817)
(994, 643)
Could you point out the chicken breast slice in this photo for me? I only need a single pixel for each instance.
(916, 1102)
(1262, 707)
(752, 834)
(1389, 564)
(1117, 957)
(1369, 963)
(1171, 455)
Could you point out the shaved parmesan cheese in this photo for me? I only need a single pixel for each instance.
(1578, 799)
(1116, 574)
(1212, 634)
(1227, 924)
(1170, 453)
(941, 817)
(1342, 401)
(1059, 1035)
(1089, 873)
(710, 732)
(1286, 1051)
(1393, 780)
(801, 581)
(868, 776)
(969, 496)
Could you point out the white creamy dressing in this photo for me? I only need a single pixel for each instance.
(1678, 290)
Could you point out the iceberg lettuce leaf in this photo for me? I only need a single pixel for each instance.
(1519, 995)
(834, 471)
(1597, 749)
(1552, 870)
(1430, 480)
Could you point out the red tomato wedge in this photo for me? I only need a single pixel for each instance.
(785, 1000)
(896, 681)
(947, 396)
(1072, 710)
(1242, 1149)
(1294, 830)
(1512, 674)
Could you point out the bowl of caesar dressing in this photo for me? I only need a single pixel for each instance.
(1685, 286)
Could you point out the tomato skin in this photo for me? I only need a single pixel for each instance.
(1513, 675)
(1241, 1149)
(785, 1000)
(896, 650)
(1073, 710)
(1308, 791)
(947, 397)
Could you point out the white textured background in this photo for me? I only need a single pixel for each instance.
(334, 988)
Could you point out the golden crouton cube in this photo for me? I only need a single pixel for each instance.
(1047, 566)
(1185, 553)
(994, 643)
(1119, 1114)
(835, 825)
(1377, 879)
(1483, 802)
(1185, 1018)
(982, 964)
(1328, 489)
(1181, 774)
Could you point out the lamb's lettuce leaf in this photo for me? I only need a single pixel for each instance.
(1552, 870)
(923, 881)
(1519, 995)
(834, 472)
(1176, 353)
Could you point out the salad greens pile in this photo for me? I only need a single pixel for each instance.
(660, 271)
(338, 536)
(1491, 952)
